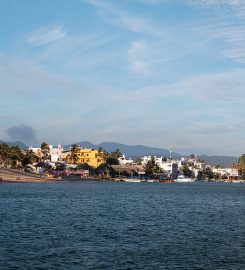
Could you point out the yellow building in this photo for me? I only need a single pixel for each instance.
(89, 156)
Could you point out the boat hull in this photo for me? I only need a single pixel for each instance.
(185, 180)
(132, 180)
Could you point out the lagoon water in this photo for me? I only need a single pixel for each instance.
(107, 225)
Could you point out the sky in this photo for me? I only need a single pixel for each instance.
(162, 73)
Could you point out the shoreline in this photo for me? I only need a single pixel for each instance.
(18, 176)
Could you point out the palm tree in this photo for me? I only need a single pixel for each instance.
(73, 157)
(103, 154)
(116, 154)
(16, 156)
(4, 154)
(10, 156)
(152, 167)
(241, 165)
(30, 158)
(45, 151)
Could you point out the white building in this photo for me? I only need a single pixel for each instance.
(55, 153)
(167, 165)
(226, 172)
(123, 161)
(193, 164)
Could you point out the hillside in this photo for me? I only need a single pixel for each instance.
(128, 150)
(225, 161)
(135, 151)
(20, 144)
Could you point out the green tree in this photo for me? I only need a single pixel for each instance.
(10, 156)
(192, 156)
(112, 161)
(152, 167)
(241, 166)
(186, 171)
(16, 156)
(4, 155)
(73, 157)
(60, 166)
(116, 154)
(45, 150)
(103, 154)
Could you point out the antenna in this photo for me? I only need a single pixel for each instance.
(170, 151)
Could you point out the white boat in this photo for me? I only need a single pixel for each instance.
(184, 179)
(132, 180)
(239, 181)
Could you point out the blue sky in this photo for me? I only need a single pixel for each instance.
(164, 73)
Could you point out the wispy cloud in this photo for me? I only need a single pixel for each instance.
(125, 20)
(137, 63)
(47, 35)
(237, 7)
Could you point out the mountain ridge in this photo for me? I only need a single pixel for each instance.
(142, 150)
(135, 151)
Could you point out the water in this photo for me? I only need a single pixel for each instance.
(93, 225)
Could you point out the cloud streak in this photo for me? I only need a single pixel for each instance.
(125, 20)
(47, 35)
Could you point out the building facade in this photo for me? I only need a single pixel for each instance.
(86, 155)
(55, 153)
(168, 166)
(123, 160)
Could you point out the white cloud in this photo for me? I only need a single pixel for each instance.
(72, 105)
(136, 54)
(218, 88)
(47, 35)
(237, 7)
(125, 20)
(140, 67)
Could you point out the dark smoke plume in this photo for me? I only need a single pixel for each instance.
(22, 133)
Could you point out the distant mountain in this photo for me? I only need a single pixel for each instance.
(135, 151)
(225, 161)
(20, 144)
(128, 150)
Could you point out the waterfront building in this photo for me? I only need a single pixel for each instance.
(226, 173)
(55, 153)
(194, 164)
(85, 155)
(168, 166)
(123, 160)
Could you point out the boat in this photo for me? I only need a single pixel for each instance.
(165, 180)
(132, 180)
(184, 179)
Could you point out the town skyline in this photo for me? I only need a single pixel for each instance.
(160, 73)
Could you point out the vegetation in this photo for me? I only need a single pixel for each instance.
(207, 174)
(241, 166)
(112, 161)
(116, 154)
(73, 157)
(60, 166)
(103, 154)
(29, 158)
(192, 156)
(10, 156)
(152, 168)
(45, 150)
(186, 171)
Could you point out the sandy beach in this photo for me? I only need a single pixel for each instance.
(18, 176)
